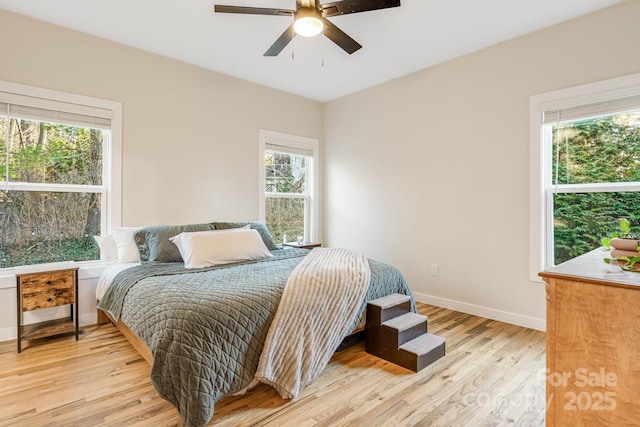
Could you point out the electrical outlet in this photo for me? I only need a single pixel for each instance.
(435, 270)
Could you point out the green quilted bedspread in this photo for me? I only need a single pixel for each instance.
(206, 327)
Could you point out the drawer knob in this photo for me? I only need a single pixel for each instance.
(48, 282)
(49, 299)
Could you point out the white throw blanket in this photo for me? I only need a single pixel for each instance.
(319, 304)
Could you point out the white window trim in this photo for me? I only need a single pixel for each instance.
(539, 202)
(112, 162)
(293, 141)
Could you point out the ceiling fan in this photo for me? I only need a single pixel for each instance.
(310, 19)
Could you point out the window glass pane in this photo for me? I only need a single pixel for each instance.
(582, 219)
(285, 215)
(41, 152)
(40, 227)
(596, 150)
(284, 173)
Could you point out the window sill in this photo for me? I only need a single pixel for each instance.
(87, 270)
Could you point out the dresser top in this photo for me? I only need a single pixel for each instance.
(591, 267)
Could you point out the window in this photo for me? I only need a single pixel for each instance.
(288, 180)
(585, 167)
(58, 155)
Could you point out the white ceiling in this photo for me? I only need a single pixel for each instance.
(396, 42)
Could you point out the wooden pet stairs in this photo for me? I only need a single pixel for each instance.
(396, 334)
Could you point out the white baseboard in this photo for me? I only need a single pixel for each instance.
(8, 334)
(489, 313)
(88, 319)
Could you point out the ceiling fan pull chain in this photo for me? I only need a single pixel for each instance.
(293, 38)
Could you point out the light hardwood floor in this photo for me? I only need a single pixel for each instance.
(492, 375)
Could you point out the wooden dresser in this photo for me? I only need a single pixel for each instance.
(593, 343)
(44, 290)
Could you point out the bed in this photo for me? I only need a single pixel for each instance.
(203, 329)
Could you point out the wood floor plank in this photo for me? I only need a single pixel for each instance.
(492, 374)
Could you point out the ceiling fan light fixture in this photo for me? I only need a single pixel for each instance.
(310, 19)
(308, 22)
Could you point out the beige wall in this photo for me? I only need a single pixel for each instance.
(428, 169)
(190, 136)
(433, 168)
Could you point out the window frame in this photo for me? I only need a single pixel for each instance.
(293, 142)
(111, 188)
(541, 187)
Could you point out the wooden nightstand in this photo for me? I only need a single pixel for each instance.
(44, 290)
(303, 245)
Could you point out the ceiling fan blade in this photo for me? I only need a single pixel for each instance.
(339, 37)
(355, 6)
(252, 10)
(282, 42)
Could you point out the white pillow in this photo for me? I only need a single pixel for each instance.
(127, 248)
(108, 248)
(208, 248)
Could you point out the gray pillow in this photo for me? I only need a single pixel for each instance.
(154, 244)
(262, 229)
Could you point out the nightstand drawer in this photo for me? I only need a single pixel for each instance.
(47, 290)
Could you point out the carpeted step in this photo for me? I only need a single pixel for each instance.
(406, 327)
(382, 309)
(422, 351)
